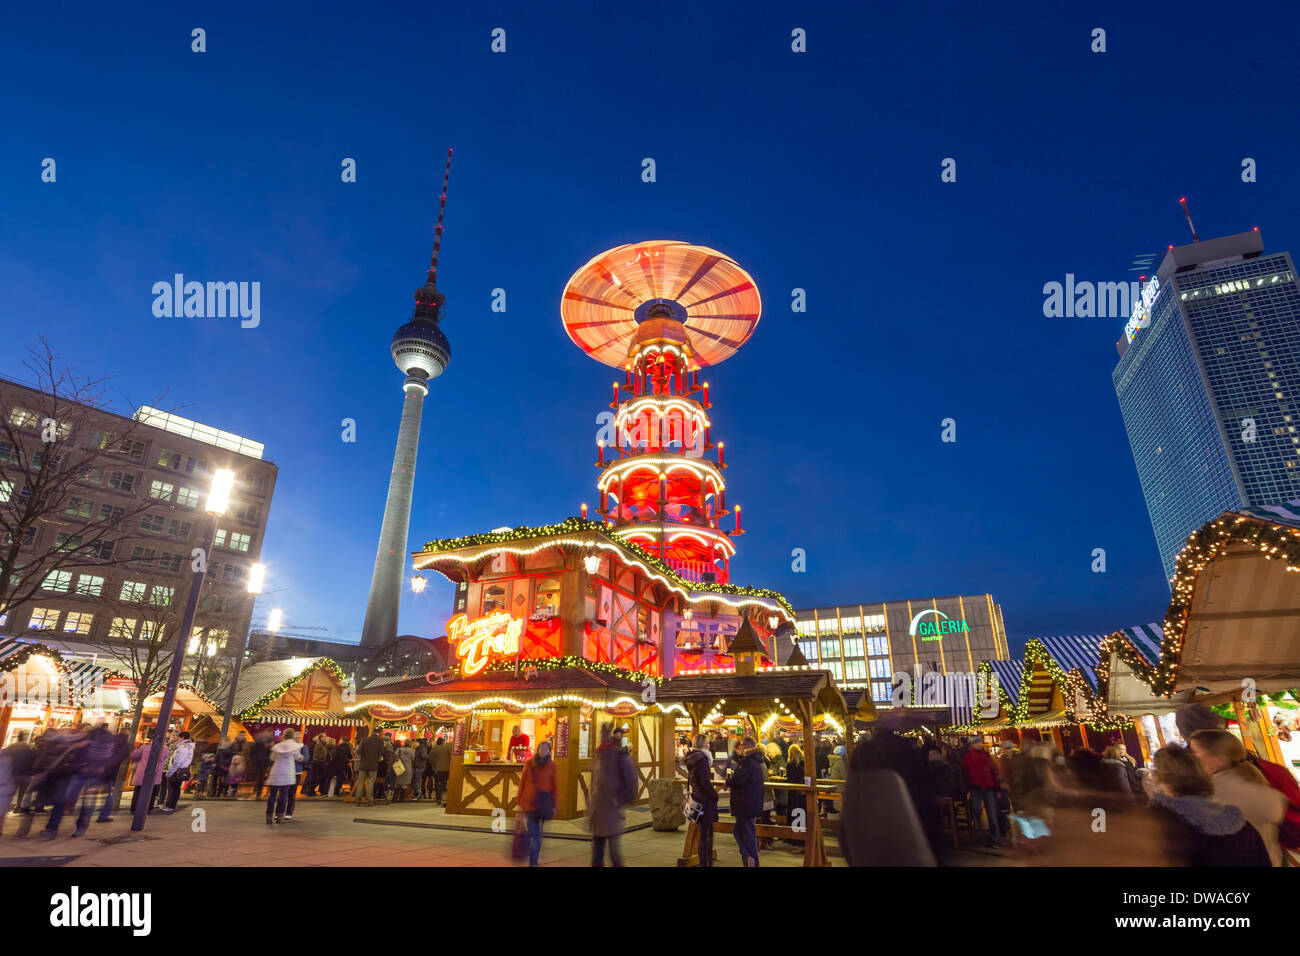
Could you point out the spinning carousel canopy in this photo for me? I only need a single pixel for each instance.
(606, 301)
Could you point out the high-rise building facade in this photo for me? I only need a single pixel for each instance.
(155, 472)
(1208, 383)
(865, 645)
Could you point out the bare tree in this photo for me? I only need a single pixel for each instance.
(53, 447)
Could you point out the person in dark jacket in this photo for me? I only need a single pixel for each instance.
(796, 803)
(221, 771)
(699, 782)
(1198, 831)
(440, 764)
(15, 774)
(613, 786)
(370, 752)
(259, 762)
(419, 763)
(879, 825)
(746, 785)
(336, 768)
(66, 775)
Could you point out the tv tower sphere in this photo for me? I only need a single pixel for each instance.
(421, 349)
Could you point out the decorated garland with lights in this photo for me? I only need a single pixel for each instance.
(251, 712)
(559, 663)
(575, 525)
(1275, 542)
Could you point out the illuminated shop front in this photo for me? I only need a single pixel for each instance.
(41, 689)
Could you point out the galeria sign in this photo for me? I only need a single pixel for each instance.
(494, 635)
(936, 629)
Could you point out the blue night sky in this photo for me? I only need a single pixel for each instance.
(818, 170)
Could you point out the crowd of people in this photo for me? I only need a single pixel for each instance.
(1207, 802)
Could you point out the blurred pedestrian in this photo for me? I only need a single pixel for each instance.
(16, 762)
(1238, 784)
(537, 790)
(140, 755)
(613, 787)
(1198, 830)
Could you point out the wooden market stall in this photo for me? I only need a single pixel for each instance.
(761, 696)
(42, 689)
(563, 705)
(1231, 634)
(306, 694)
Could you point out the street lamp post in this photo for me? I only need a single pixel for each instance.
(255, 579)
(218, 499)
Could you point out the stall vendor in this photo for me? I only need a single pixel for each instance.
(518, 747)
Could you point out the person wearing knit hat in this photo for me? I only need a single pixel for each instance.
(1193, 717)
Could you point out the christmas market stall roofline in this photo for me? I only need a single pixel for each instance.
(578, 533)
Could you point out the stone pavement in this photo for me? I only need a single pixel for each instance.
(333, 832)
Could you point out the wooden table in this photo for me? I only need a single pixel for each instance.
(811, 835)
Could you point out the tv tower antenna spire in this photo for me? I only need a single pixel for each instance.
(422, 352)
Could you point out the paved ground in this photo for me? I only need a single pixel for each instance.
(333, 832)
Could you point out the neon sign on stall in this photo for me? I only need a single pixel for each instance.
(494, 635)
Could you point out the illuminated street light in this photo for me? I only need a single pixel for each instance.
(223, 479)
(273, 625)
(256, 578)
(418, 583)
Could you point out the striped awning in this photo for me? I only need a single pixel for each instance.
(1009, 676)
(11, 648)
(1077, 651)
(312, 718)
(1146, 640)
(1286, 514)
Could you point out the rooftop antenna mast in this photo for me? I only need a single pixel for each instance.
(437, 230)
(1186, 212)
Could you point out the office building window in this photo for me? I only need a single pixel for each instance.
(161, 596)
(57, 581)
(110, 514)
(67, 542)
(855, 670)
(161, 490)
(178, 529)
(80, 507)
(240, 542)
(44, 618)
(121, 480)
(880, 691)
(78, 622)
(877, 646)
(89, 585)
(830, 648)
(880, 667)
(122, 628)
(188, 497)
(132, 591)
(153, 522)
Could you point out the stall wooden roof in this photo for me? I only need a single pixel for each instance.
(756, 691)
(550, 679)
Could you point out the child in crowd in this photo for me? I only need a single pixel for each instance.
(236, 775)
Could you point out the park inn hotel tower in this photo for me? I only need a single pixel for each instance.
(1208, 382)
(865, 645)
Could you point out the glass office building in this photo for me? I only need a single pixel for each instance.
(865, 645)
(1208, 383)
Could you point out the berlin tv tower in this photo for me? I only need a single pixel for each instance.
(422, 352)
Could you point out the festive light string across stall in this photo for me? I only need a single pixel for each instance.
(543, 704)
(634, 554)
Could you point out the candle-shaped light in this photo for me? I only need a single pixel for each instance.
(616, 393)
(629, 375)
(721, 445)
(706, 394)
(601, 443)
(584, 511)
(737, 517)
